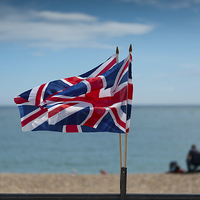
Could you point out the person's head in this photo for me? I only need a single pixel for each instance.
(193, 146)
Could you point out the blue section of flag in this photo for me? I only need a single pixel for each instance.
(54, 87)
(75, 90)
(26, 94)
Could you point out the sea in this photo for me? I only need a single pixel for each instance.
(158, 135)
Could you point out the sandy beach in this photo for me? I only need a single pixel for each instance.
(67, 183)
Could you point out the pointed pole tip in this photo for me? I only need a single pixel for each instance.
(117, 50)
(130, 48)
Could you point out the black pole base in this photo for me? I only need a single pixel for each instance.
(123, 183)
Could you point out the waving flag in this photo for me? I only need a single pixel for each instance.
(92, 102)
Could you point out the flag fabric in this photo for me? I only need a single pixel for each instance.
(96, 101)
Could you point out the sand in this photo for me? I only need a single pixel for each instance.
(67, 183)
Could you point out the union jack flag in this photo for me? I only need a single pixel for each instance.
(96, 101)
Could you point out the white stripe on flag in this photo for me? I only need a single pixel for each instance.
(96, 72)
(67, 82)
(35, 123)
(33, 95)
(43, 92)
(66, 112)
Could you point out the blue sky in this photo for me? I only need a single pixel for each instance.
(41, 41)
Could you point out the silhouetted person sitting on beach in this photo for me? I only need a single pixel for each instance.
(174, 168)
(193, 159)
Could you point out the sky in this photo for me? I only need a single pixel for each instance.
(46, 40)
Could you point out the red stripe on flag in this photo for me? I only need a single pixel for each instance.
(39, 94)
(124, 68)
(120, 96)
(93, 98)
(130, 91)
(73, 80)
(57, 99)
(113, 62)
(71, 129)
(19, 100)
(33, 117)
(59, 109)
(119, 121)
(98, 112)
(95, 83)
(131, 59)
(127, 130)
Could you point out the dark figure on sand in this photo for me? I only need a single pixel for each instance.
(175, 168)
(193, 159)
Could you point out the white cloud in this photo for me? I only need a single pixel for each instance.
(56, 16)
(168, 4)
(62, 30)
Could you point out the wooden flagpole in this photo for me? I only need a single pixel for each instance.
(123, 176)
(126, 135)
(120, 135)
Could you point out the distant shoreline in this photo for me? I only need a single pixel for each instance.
(97, 183)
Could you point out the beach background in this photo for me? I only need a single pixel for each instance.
(67, 183)
(44, 161)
